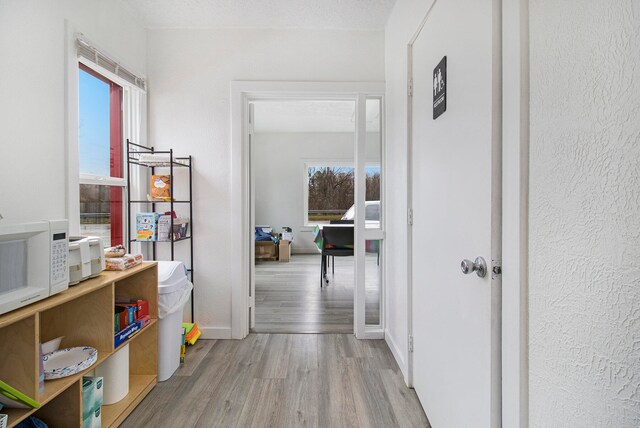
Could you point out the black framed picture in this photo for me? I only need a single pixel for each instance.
(440, 88)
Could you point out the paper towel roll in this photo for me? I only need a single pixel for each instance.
(115, 371)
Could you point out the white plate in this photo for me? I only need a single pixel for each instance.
(69, 361)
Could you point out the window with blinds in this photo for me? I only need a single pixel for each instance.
(87, 50)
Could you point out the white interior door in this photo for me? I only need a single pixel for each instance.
(455, 200)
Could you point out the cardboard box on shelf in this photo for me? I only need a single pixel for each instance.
(121, 318)
(143, 308)
(132, 309)
(284, 250)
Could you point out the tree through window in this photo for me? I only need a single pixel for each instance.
(331, 191)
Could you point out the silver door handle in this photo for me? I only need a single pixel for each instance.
(479, 266)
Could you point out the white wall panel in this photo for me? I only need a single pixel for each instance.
(190, 74)
(585, 214)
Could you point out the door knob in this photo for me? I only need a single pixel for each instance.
(479, 266)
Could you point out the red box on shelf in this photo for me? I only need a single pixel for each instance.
(132, 309)
(144, 321)
(143, 308)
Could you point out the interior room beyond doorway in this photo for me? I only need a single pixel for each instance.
(303, 180)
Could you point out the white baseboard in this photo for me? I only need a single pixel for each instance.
(215, 332)
(397, 354)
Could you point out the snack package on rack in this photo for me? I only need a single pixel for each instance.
(123, 263)
(160, 187)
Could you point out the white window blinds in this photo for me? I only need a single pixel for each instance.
(87, 50)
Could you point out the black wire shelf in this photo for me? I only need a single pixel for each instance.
(160, 202)
(158, 164)
(148, 157)
(163, 241)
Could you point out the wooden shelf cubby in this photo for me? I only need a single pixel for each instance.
(84, 315)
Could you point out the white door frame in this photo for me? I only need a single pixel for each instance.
(361, 232)
(515, 213)
(515, 196)
(241, 249)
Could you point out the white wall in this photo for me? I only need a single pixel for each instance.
(279, 168)
(32, 83)
(585, 214)
(402, 24)
(190, 73)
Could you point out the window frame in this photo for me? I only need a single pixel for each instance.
(118, 89)
(119, 149)
(116, 185)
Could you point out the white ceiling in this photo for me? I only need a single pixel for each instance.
(312, 116)
(293, 14)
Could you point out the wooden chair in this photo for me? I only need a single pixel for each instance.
(336, 241)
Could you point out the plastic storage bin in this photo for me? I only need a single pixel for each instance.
(174, 290)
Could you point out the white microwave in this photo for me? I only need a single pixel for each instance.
(33, 262)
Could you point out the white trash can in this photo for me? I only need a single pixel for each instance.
(174, 290)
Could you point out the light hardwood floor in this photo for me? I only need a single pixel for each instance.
(284, 380)
(289, 298)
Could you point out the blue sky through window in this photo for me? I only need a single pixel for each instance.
(372, 170)
(94, 125)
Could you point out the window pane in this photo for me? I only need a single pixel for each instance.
(331, 190)
(373, 282)
(94, 125)
(100, 154)
(372, 169)
(101, 212)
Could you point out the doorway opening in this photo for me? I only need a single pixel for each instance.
(245, 96)
(303, 186)
(302, 157)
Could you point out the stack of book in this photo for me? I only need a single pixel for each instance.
(192, 333)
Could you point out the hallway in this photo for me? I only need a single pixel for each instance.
(284, 380)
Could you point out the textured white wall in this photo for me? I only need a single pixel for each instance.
(33, 71)
(190, 74)
(585, 214)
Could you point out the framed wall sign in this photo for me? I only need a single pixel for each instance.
(440, 88)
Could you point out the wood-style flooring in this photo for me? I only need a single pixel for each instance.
(284, 380)
(289, 298)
